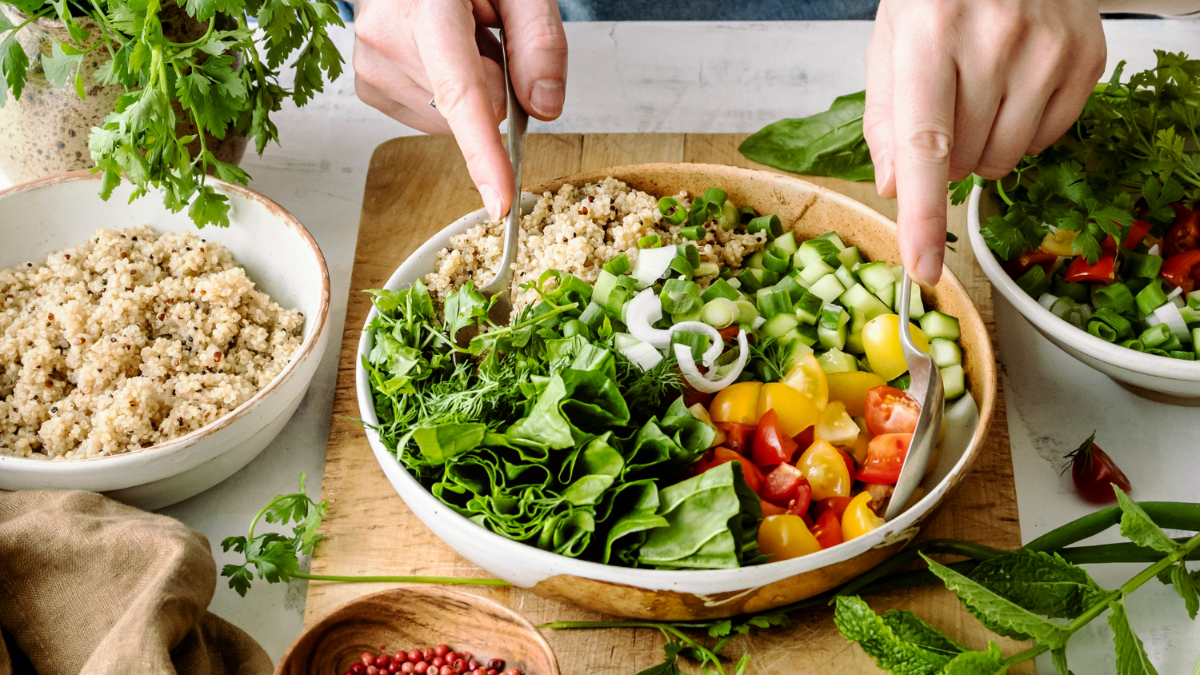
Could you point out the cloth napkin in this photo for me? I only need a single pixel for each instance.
(88, 585)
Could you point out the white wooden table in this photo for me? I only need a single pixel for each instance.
(700, 78)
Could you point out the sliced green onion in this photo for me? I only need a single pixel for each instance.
(575, 288)
(1075, 291)
(1034, 281)
(750, 279)
(650, 241)
(773, 303)
(776, 263)
(618, 265)
(679, 296)
(770, 277)
(693, 232)
(746, 214)
(605, 283)
(615, 305)
(1155, 335)
(707, 269)
(769, 224)
(1140, 265)
(698, 342)
(627, 282)
(1171, 344)
(715, 196)
(1156, 352)
(747, 312)
(1115, 296)
(691, 253)
(672, 210)
(1134, 344)
(1062, 307)
(1102, 330)
(793, 288)
(1151, 298)
(720, 289)
(719, 312)
(1118, 323)
(1193, 300)
(681, 265)
(727, 219)
(1180, 354)
(592, 315)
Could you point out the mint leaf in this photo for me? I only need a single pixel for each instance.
(911, 628)
(1043, 583)
(1185, 586)
(1137, 527)
(1059, 657)
(1001, 615)
(990, 662)
(857, 623)
(1131, 654)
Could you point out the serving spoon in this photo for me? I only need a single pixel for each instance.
(500, 288)
(926, 387)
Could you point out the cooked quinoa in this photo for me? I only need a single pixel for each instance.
(576, 230)
(130, 340)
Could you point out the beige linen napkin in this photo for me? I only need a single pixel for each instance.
(88, 585)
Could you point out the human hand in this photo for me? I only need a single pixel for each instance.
(956, 87)
(408, 53)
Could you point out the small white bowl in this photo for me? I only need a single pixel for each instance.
(698, 594)
(279, 255)
(1159, 378)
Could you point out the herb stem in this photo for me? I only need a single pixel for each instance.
(466, 581)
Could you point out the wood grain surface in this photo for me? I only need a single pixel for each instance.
(416, 186)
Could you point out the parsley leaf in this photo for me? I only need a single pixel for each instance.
(59, 65)
(13, 64)
(960, 191)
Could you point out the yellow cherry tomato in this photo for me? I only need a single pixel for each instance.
(1061, 243)
(859, 519)
(881, 342)
(785, 537)
(835, 425)
(736, 403)
(826, 471)
(808, 378)
(858, 449)
(796, 411)
(851, 389)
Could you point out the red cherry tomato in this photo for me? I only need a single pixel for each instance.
(1095, 473)
(752, 474)
(828, 529)
(770, 509)
(782, 485)
(692, 396)
(730, 332)
(836, 504)
(771, 446)
(1180, 269)
(891, 411)
(885, 458)
(737, 436)
(805, 438)
(1184, 234)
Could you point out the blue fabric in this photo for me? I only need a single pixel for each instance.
(717, 10)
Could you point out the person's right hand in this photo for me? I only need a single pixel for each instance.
(408, 53)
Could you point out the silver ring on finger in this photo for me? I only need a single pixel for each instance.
(433, 104)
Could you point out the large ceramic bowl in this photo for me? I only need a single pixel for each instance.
(280, 257)
(1155, 377)
(808, 210)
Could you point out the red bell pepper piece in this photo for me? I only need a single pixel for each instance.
(1184, 234)
(1179, 269)
(1104, 271)
(1137, 233)
(1021, 264)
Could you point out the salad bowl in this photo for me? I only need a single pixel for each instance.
(1154, 377)
(807, 210)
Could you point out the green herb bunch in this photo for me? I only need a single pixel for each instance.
(227, 81)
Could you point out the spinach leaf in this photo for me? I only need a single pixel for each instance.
(446, 441)
(829, 143)
(705, 525)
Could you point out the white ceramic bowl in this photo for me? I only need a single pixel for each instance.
(281, 258)
(680, 595)
(1156, 377)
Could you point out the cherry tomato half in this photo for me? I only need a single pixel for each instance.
(736, 403)
(786, 537)
(836, 504)
(891, 411)
(783, 486)
(885, 458)
(737, 436)
(859, 519)
(825, 469)
(771, 445)
(1095, 473)
(828, 529)
(752, 474)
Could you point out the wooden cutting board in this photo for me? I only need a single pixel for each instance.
(415, 187)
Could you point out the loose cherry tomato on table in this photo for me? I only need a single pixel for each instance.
(825, 469)
(796, 411)
(851, 389)
(786, 537)
(737, 436)
(1095, 473)
(859, 519)
(750, 473)
(885, 458)
(736, 403)
(891, 411)
(828, 529)
(771, 445)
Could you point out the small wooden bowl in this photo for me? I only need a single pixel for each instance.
(418, 617)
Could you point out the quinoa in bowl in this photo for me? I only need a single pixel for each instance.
(130, 340)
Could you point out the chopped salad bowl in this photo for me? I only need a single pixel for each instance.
(656, 594)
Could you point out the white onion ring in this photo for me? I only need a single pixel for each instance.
(687, 365)
(643, 312)
(709, 357)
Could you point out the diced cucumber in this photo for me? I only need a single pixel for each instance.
(1196, 340)
(845, 276)
(945, 352)
(827, 288)
(786, 242)
(837, 361)
(854, 342)
(780, 324)
(793, 287)
(938, 325)
(857, 297)
(954, 382)
(897, 272)
(833, 237)
(720, 289)
(1193, 300)
(756, 260)
(818, 249)
(800, 349)
(814, 272)
(888, 295)
(850, 257)
(808, 334)
(808, 308)
(876, 277)
(751, 279)
(916, 308)
(832, 328)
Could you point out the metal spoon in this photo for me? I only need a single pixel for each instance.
(926, 387)
(518, 121)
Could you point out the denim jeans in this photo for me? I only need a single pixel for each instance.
(716, 10)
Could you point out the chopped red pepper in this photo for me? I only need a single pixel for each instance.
(1022, 263)
(1137, 233)
(1180, 268)
(1184, 235)
(1105, 269)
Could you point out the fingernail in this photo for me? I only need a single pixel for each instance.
(929, 266)
(547, 98)
(883, 171)
(491, 201)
